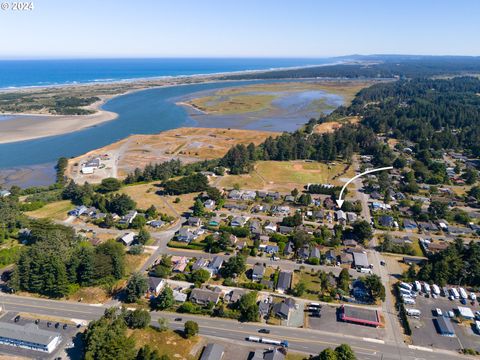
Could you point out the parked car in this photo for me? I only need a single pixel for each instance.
(64, 326)
(57, 325)
(17, 318)
(438, 312)
(451, 314)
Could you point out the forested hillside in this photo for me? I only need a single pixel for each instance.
(377, 67)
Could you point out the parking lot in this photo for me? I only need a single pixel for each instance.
(328, 322)
(68, 335)
(425, 333)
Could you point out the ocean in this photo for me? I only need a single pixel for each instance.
(27, 73)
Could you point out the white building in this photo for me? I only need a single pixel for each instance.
(28, 336)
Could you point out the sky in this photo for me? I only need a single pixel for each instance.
(232, 28)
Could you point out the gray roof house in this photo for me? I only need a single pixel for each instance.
(213, 352)
(273, 354)
(238, 221)
(194, 221)
(257, 272)
(204, 296)
(264, 308)
(284, 281)
(360, 260)
(281, 310)
(315, 253)
(215, 265)
(201, 263)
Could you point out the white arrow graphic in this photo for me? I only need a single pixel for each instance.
(340, 201)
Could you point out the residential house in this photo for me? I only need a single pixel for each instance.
(155, 285)
(314, 253)
(318, 215)
(209, 204)
(281, 310)
(201, 263)
(79, 210)
(409, 224)
(350, 243)
(264, 309)
(303, 253)
(179, 263)
(274, 195)
(331, 257)
(239, 207)
(257, 272)
(128, 218)
(285, 229)
(235, 195)
(346, 259)
(264, 239)
(289, 249)
(255, 227)
(204, 296)
(235, 295)
(128, 238)
(267, 284)
(249, 195)
(341, 216)
(281, 210)
(270, 227)
(185, 235)
(215, 265)
(427, 226)
(238, 221)
(156, 223)
(328, 203)
(385, 221)
(289, 198)
(351, 217)
(284, 281)
(269, 249)
(459, 230)
(179, 296)
(194, 221)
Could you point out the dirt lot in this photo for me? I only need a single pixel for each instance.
(187, 144)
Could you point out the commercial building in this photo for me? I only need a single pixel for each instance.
(360, 316)
(28, 336)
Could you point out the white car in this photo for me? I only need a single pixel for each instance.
(473, 297)
(438, 312)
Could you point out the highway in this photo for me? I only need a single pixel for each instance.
(304, 340)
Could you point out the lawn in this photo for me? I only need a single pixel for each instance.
(167, 343)
(57, 210)
(284, 176)
(312, 283)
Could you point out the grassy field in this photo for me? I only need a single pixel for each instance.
(167, 343)
(287, 175)
(145, 195)
(236, 104)
(312, 283)
(57, 210)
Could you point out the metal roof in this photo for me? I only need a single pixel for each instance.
(213, 352)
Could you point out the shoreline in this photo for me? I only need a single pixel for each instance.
(24, 127)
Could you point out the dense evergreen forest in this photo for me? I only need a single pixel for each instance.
(437, 114)
(56, 261)
(376, 67)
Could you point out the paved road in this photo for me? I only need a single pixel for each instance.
(305, 340)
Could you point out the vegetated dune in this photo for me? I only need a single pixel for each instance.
(186, 144)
